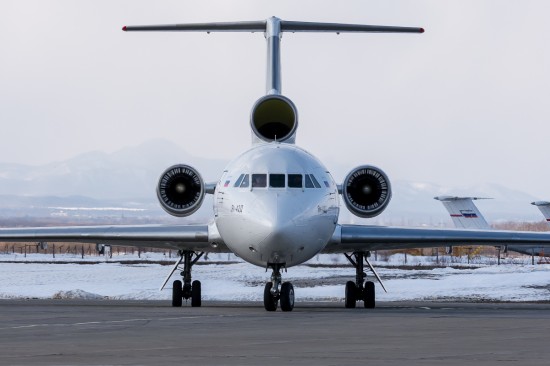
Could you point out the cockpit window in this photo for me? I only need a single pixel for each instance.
(246, 181)
(295, 181)
(277, 180)
(239, 180)
(259, 180)
(315, 182)
(309, 183)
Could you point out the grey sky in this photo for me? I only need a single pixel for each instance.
(466, 103)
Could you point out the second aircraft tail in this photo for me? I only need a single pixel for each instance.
(464, 212)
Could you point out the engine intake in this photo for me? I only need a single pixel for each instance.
(366, 191)
(180, 190)
(274, 118)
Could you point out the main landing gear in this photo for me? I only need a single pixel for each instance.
(274, 291)
(361, 290)
(187, 290)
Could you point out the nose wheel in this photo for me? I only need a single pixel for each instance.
(275, 292)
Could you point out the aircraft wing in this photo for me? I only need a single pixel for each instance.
(351, 238)
(201, 238)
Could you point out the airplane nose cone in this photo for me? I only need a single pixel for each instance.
(278, 224)
(283, 228)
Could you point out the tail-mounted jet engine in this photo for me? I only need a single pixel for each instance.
(274, 118)
(366, 191)
(180, 190)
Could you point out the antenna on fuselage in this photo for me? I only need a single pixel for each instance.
(273, 29)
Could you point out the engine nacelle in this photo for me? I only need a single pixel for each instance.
(366, 191)
(180, 190)
(274, 118)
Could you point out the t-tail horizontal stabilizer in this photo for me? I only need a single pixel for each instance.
(284, 26)
(273, 28)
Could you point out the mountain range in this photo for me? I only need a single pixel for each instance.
(126, 180)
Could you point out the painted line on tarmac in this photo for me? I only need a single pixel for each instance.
(111, 322)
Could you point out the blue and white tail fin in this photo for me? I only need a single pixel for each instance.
(464, 212)
(544, 207)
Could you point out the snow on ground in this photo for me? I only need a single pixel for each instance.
(241, 281)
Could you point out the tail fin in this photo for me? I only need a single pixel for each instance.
(544, 207)
(273, 29)
(464, 212)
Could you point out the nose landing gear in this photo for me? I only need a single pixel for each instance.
(274, 291)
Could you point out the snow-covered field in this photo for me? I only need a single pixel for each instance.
(517, 281)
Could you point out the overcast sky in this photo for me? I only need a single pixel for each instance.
(466, 103)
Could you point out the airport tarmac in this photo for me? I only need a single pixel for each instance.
(84, 332)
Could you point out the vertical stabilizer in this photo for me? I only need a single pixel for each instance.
(274, 117)
(273, 28)
(544, 207)
(464, 212)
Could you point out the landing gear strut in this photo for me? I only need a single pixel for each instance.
(275, 291)
(186, 290)
(360, 290)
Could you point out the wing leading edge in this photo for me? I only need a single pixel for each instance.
(351, 238)
(203, 238)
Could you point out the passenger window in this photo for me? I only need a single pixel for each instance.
(295, 181)
(309, 183)
(259, 180)
(245, 183)
(238, 182)
(315, 183)
(277, 180)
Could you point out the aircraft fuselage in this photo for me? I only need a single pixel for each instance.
(276, 204)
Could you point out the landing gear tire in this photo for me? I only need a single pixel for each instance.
(287, 297)
(270, 302)
(369, 295)
(351, 297)
(177, 294)
(196, 294)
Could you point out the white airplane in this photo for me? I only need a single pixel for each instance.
(466, 215)
(275, 205)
